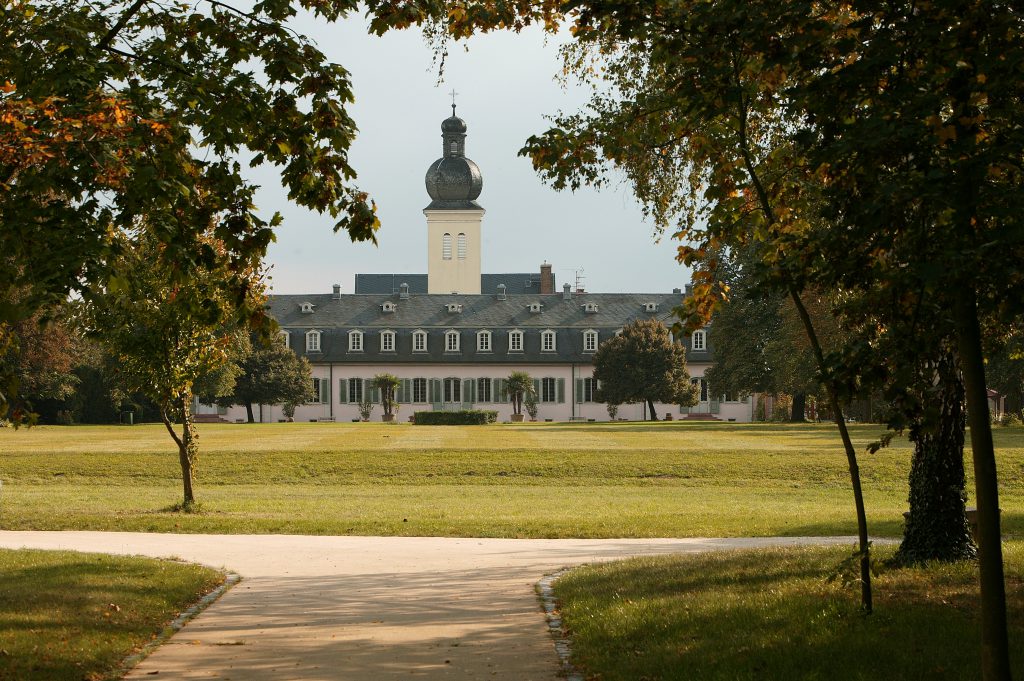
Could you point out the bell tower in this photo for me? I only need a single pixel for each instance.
(453, 216)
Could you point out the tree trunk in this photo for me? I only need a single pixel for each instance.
(798, 415)
(863, 545)
(995, 655)
(936, 528)
(248, 412)
(650, 406)
(188, 449)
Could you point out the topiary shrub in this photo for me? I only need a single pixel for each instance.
(466, 417)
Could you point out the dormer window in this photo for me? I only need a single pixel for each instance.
(387, 341)
(454, 308)
(483, 341)
(451, 341)
(698, 341)
(355, 341)
(650, 307)
(307, 308)
(547, 341)
(590, 308)
(388, 307)
(535, 308)
(312, 341)
(515, 341)
(285, 338)
(590, 341)
(419, 341)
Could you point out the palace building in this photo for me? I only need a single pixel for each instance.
(454, 334)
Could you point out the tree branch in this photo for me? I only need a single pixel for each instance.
(105, 41)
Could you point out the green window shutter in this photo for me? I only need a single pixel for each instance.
(560, 390)
(375, 394)
(536, 388)
(325, 391)
(498, 391)
(579, 390)
(404, 394)
(343, 390)
(469, 390)
(435, 390)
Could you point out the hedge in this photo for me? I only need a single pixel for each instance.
(466, 417)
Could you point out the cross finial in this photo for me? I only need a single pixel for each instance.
(453, 93)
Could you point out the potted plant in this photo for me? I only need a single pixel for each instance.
(365, 409)
(517, 386)
(387, 384)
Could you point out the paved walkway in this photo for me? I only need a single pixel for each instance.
(367, 608)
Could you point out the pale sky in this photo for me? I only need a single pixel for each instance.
(505, 85)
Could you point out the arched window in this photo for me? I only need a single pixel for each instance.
(387, 341)
(698, 341)
(462, 246)
(446, 247)
(515, 341)
(547, 341)
(312, 341)
(419, 341)
(355, 341)
(451, 341)
(590, 341)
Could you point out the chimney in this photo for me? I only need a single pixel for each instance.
(501, 292)
(566, 291)
(337, 292)
(403, 291)
(677, 290)
(547, 281)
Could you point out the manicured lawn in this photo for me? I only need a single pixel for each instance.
(530, 480)
(72, 616)
(771, 614)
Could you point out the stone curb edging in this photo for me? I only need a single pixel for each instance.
(554, 619)
(178, 623)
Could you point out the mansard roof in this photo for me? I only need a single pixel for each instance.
(336, 317)
(515, 282)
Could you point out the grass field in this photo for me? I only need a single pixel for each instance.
(76, 616)
(530, 480)
(771, 614)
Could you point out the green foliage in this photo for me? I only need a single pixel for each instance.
(387, 384)
(530, 404)
(465, 417)
(365, 408)
(643, 364)
(119, 111)
(517, 386)
(269, 373)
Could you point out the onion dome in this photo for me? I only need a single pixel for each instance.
(454, 181)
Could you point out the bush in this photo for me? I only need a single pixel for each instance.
(1009, 419)
(466, 417)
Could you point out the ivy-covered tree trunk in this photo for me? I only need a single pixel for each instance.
(799, 408)
(936, 527)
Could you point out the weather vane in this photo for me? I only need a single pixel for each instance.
(453, 93)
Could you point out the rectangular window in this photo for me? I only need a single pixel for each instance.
(548, 388)
(547, 341)
(697, 341)
(419, 342)
(589, 389)
(387, 342)
(452, 341)
(515, 341)
(483, 390)
(452, 390)
(317, 391)
(419, 390)
(313, 341)
(590, 341)
(355, 390)
(483, 341)
(355, 341)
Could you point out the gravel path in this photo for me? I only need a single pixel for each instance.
(367, 608)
